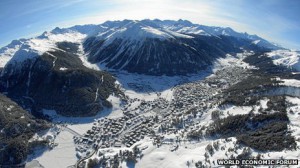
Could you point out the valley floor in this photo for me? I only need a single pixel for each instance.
(151, 127)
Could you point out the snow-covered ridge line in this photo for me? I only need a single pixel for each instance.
(133, 30)
(138, 31)
(18, 51)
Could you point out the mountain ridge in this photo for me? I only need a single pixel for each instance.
(92, 28)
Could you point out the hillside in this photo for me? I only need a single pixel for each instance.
(17, 127)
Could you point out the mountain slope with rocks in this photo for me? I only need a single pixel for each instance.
(57, 80)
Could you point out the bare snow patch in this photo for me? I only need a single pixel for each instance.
(294, 116)
(263, 103)
(230, 60)
(291, 82)
(116, 106)
(237, 110)
(83, 57)
(63, 68)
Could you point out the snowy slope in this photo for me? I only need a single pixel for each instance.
(19, 50)
(149, 46)
(137, 31)
(6, 53)
(186, 27)
(153, 46)
(286, 58)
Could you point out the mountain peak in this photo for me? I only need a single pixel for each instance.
(185, 22)
(138, 31)
(152, 39)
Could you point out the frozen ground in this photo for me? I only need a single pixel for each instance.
(63, 155)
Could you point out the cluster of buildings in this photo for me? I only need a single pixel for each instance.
(103, 134)
(137, 133)
(147, 118)
(192, 100)
(107, 132)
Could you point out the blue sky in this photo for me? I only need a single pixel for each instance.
(276, 20)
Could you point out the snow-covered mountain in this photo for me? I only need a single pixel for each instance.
(152, 47)
(58, 59)
(47, 73)
(242, 110)
(186, 27)
(164, 47)
(147, 46)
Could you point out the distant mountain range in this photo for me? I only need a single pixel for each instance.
(153, 47)
(52, 71)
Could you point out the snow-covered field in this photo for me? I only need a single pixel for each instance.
(291, 82)
(163, 157)
(116, 111)
(294, 116)
(230, 60)
(63, 155)
(148, 88)
(286, 58)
